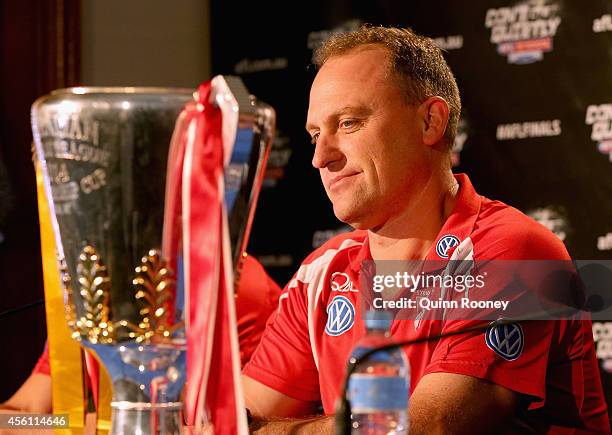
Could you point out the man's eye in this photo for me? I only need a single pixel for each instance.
(348, 123)
(313, 138)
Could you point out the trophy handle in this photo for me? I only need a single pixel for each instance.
(244, 172)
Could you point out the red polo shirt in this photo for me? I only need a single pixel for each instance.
(303, 354)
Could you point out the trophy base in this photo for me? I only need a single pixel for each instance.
(141, 418)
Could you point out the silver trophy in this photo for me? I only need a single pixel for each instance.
(104, 155)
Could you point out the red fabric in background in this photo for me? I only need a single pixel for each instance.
(256, 300)
(42, 366)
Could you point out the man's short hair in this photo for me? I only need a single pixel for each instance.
(414, 59)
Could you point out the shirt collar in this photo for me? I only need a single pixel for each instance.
(460, 223)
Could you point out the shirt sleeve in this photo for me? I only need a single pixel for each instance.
(283, 360)
(519, 364)
(514, 355)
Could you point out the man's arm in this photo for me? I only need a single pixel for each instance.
(272, 412)
(445, 403)
(33, 396)
(442, 403)
(322, 425)
(265, 402)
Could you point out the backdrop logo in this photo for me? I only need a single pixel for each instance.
(450, 42)
(602, 24)
(524, 130)
(279, 260)
(278, 159)
(247, 66)
(524, 32)
(602, 335)
(461, 137)
(340, 316)
(319, 237)
(319, 37)
(600, 117)
(445, 243)
(553, 218)
(604, 243)
(506, 340)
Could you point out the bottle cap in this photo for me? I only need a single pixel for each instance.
(378, 319)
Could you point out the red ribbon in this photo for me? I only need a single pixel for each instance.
(92, 378)
(194, 214)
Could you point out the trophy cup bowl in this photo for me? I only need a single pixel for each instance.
(103, 154)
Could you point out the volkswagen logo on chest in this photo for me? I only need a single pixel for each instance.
(506, 340)
(445, 243)
(340, 316)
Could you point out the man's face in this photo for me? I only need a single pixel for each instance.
(369, 148)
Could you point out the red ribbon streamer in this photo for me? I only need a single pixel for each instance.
(194, 214)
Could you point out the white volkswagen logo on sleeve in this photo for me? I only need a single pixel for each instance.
(506, 340)
(340, 316)
(445, 243)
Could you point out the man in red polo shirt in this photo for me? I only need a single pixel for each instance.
(382, 116)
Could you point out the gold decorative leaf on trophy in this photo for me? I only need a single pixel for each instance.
(155, 291)
(69, 308)
(94, 285)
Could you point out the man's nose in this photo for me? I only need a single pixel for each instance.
(326, 151)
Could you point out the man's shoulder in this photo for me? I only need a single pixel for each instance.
(338, 250)
(502, 231)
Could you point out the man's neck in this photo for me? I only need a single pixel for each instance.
(410, 234)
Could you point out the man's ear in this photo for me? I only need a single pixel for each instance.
(434, 114)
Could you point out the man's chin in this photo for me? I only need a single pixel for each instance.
(354, 219)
